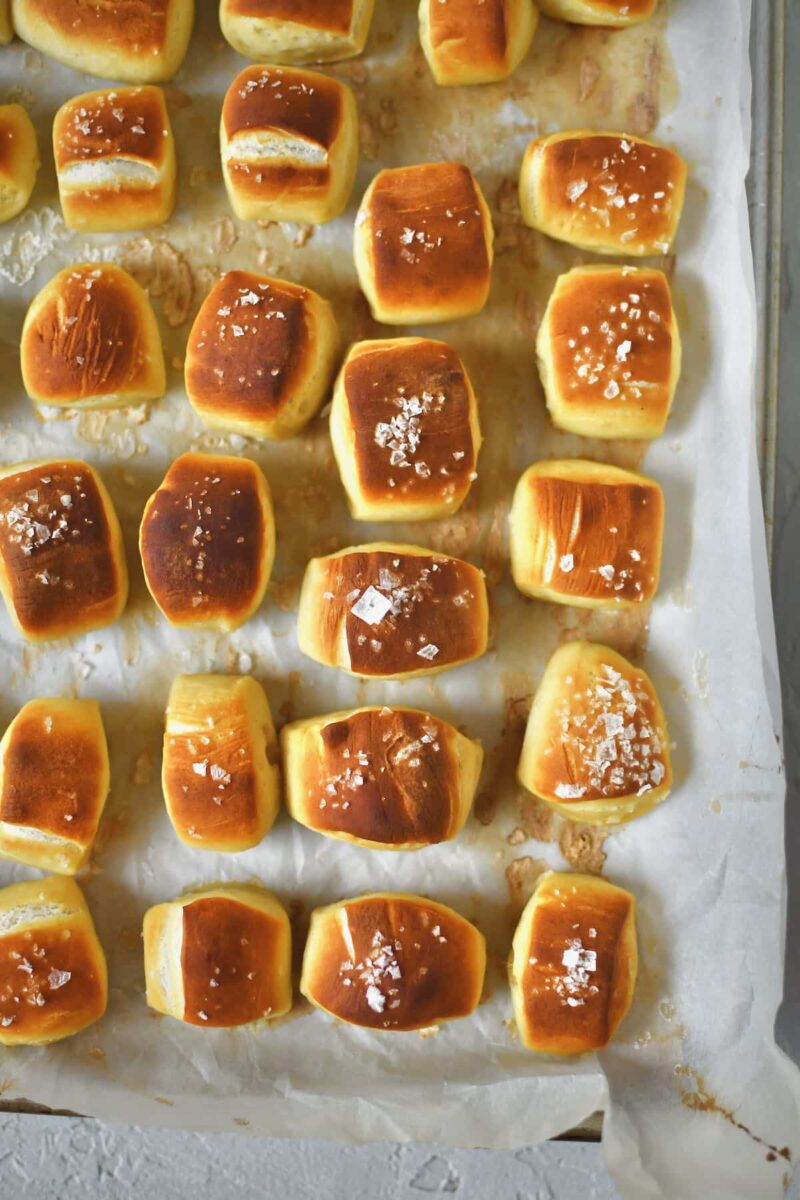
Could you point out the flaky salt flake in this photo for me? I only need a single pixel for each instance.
(428, 651)
(371, 607)
(570, 791)
(57, 978)
(576, 189)
(375, 998)
(566, 563)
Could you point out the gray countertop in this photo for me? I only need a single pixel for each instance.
(56, 1158)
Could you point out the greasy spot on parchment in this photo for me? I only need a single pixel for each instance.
(162, 271)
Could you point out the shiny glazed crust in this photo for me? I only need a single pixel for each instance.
(573, 964)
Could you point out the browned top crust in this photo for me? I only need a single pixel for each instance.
(409, 406)
(131, 25)
(334, 16)
(573, 967)
(202, 538)
(228, 959)
(49, 979)
(434, 610)
(427, 233)
(396, 962)
(386, 775)
(483, 24)
(51, 777)
(607, 536)
(210, 783)
(9, 139)
(87, 338)
(248, 345)
(612, 182)
(605, 737)
(58, 548)
(286, 99)
(611, 336)
(123, 122)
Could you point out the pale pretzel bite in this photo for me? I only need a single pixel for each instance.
(385, 778)
(423, 244)
(115, 160)
(387, 611)
(19, 160)
(53, 977)
(207, 541)
(596, 746)
(574, 963)
(609, 352)
(475, 41)
(393, 962)
(586, 534)
(219, 775)
(54, 779)
(62, 561)
(404, 427)
(219, 957)
(610, 193)
(261, 356)
(134, 41)
(289, 142)
(296, 31)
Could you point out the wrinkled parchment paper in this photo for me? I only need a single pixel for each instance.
(701, 1103)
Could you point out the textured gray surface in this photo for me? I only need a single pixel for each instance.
(786, 560)
(56, 1158)
(52, 1158)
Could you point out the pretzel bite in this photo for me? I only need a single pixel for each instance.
(573, 964)
(261, 356)
(62, 561)
(289, 143)
(219, 957)
(611, 193)
(609, 352)
(405, 432)
(115, 160)
(296, 31)
(207, 541)
(54, 778)
(53, 978)
(586, 534)
(384, 778)
(393, 962)
(219, 773)
(596, 746)
(423, 244)
(385, 611)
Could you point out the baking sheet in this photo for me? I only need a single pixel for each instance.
(696, 1055)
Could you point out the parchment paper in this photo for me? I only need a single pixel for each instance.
(707, 867)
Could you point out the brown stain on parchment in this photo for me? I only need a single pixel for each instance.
(521, 876)
(694, 1094)
(582, 847)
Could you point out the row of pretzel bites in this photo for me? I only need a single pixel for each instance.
(464, 41)
(261, 359)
